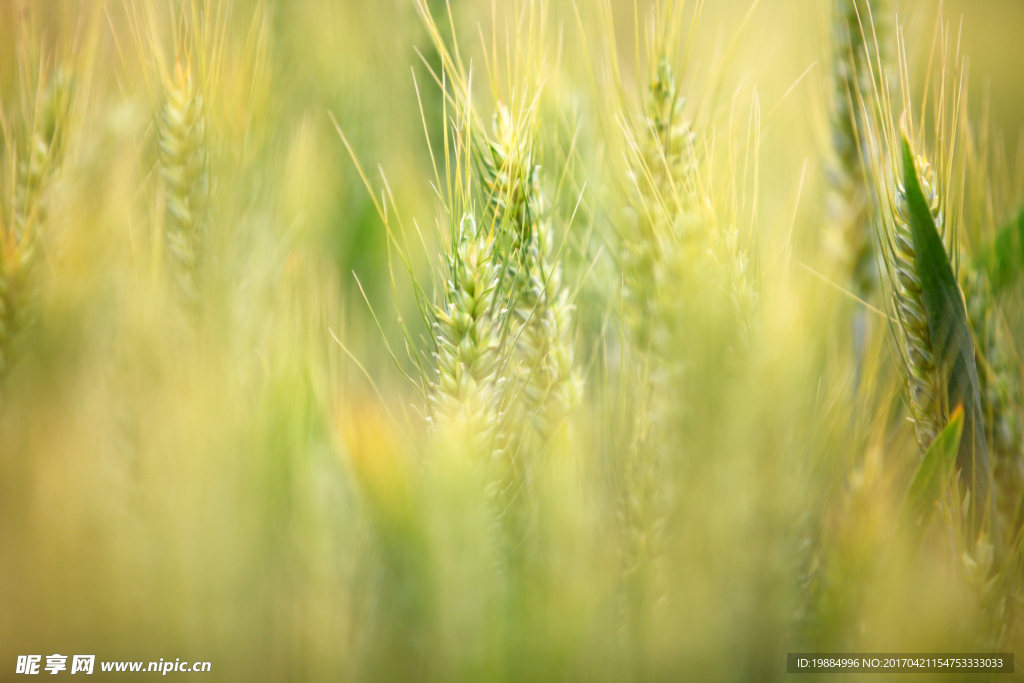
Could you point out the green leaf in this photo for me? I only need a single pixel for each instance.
(933, 474)
(1003, 259)
(952, 347)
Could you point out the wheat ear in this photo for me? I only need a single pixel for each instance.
(849, 232)
(923, 379)
(664, 169)
(1000, 398)
(184, 167)
(681, 252)
(36, 163)
(465, 400)
(541, 305)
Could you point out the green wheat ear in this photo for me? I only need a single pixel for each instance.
(940, 358)
(42, 152)
(1000, 391)
(510, 177)
(664, 174)
(849, 234)
(542, 325)
(924, 387)
(37, 158)
(680, 254)
(669, 139)
(465, 400)
(185, 168)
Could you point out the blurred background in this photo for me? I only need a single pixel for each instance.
(236, 489)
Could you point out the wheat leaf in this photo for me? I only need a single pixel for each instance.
(950, 336)
(933, 472)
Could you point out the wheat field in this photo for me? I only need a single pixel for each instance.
(452, 340)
